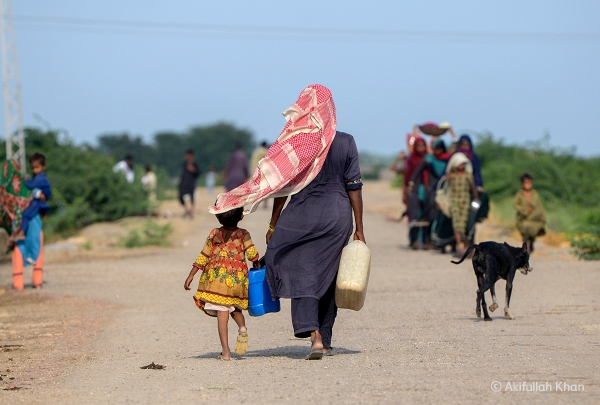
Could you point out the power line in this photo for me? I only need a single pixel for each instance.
(273, 32)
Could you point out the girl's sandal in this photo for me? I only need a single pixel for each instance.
(220, 357)
(241, 346)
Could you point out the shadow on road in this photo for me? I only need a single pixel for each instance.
(292, 352)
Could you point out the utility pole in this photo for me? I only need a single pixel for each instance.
(15, 138)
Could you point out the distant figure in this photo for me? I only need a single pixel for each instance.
(414, 201)
(531, 218)
(126, 166)
(223, 286)
(41, 193)
(459, 174)
(236, 171)
(465, 146)
(149, 184)
(211, 180)
(187, 185)
(422, 186)
(257, 155)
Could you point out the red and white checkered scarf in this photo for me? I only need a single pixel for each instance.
(295, 158)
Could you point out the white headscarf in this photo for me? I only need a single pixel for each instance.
(458, 159)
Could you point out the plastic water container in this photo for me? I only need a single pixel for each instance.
(353, 276)
(259, 296)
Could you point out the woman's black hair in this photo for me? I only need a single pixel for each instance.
(231, 218)
(526, 176)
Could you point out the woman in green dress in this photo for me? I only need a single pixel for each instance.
(531, 218)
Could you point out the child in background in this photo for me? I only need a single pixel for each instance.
(211, 179)
(149, 185)
(223, 286)
(41, 193)
(459, 175)
(531, 219)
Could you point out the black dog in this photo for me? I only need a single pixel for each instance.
(491, 262)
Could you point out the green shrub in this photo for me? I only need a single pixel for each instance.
(586, 244)
(84, 188)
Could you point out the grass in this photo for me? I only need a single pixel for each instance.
(150, 234)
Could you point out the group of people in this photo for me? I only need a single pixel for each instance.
(236, 173)
(444, 195)
(314, 169)
(439, 185)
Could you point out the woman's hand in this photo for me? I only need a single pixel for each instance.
(358, 235)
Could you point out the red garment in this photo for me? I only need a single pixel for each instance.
(295, 158)
(445, 156)
(414, 161)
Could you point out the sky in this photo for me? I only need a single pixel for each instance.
(518, 69)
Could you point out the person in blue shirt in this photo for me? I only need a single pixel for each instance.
(42, 192)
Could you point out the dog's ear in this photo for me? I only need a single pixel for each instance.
(525, 247)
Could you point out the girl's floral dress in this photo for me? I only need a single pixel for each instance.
(224, 279)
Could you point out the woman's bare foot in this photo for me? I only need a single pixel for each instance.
(315, 340)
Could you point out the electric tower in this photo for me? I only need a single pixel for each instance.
(15, 138)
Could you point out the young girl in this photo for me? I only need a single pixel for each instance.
(223, 287)
(460, 177)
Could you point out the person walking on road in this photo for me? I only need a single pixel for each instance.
(187, 184)
(236, 171)
(318, 167)
(223, 286)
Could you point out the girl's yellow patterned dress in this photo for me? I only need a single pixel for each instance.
(224, 279)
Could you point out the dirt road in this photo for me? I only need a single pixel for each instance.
(416, 340)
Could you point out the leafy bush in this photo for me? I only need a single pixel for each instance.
(559, 175)
(587, 243)
(567, 184)
(84, 187)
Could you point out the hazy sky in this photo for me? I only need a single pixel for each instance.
(515, 68)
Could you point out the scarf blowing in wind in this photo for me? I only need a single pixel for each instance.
(295, 158)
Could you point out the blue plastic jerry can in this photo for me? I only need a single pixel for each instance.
(259, 296)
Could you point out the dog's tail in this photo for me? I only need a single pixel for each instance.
(466, 254)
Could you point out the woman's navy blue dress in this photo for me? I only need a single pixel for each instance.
(304, 252)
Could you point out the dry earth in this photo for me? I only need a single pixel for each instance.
(104, 312)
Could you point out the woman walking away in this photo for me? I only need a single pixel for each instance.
(459, 175)
(318, 167)
(531, 218)
(223, 287)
